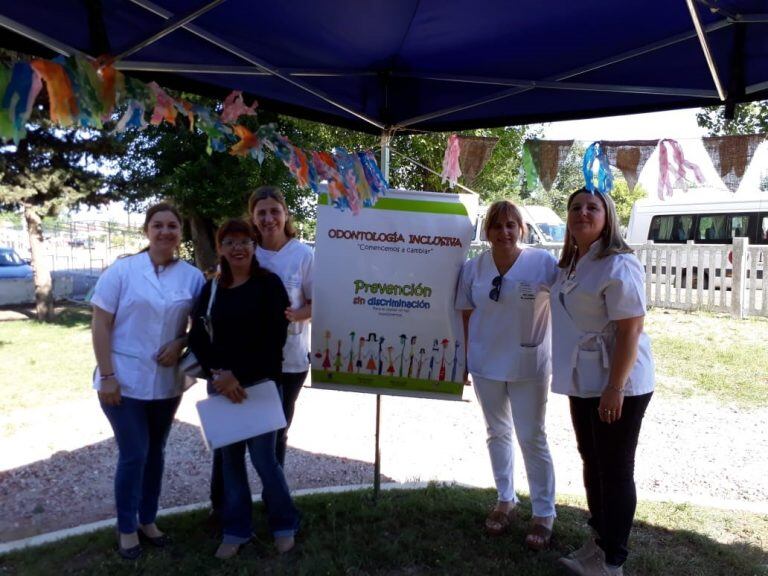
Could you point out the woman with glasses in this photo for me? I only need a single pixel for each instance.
(240, 345)
(504, 296)
(602, 361)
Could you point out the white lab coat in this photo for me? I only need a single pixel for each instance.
(508, 340)
(150, 309)
(584, 310)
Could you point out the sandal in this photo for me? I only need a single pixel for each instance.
(538, 537)
(497, 522)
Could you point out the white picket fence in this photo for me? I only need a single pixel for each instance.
(724, 278)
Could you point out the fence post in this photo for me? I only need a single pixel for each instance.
(739, 279)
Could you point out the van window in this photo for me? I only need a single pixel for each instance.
(712, 229)
(739, 225)
(671, 229)
(762, 229)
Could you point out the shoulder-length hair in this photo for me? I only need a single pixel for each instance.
(610, 239)
(235, 227)
(262, 193)
(501, 211)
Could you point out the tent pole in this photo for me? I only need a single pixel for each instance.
(705, 48)
(386, 139)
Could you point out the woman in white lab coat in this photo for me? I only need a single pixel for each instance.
(504, 296)
(602, 360)
(141, 306)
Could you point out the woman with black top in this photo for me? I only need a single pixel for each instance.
(249, 330)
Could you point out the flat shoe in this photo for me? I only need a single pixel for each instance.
(227, 551)
(157, 541)
(131, 553)
(538, 537)
(497, 522)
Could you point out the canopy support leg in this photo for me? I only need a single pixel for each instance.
(705, 48)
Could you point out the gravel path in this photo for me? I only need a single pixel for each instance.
(56, 464)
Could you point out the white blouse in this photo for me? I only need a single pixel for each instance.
(508, 339)
(150, 309)
(585, 308)
(294, 264)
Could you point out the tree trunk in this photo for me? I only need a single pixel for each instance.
(202, 231)
(43, 280)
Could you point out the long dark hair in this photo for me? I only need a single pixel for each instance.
(235, 227)
(154, 209)
(262, 193)
(610, 239)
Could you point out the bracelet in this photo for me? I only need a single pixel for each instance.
(107, 376)
(616, 388)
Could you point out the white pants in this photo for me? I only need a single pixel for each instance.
(524, 404)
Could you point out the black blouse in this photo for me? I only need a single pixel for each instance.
(249, 329)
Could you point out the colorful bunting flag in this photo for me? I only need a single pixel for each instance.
(731, 155)
(546, 157)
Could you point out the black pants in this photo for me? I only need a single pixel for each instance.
(289, 386)
(608, 455)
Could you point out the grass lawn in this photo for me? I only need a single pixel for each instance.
(46, 363)
(437, 530)
(710, 354)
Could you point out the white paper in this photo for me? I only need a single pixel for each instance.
(225, 422)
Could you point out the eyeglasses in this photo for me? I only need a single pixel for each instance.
(496, 290)
(229, 243)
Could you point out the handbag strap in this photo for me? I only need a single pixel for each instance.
(208, 322)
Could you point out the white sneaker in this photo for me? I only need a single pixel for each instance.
(592, 565)
(284, 543)
(587, 549)
(227, 551)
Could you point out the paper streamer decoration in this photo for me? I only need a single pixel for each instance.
(234, 107)
(22, 86)
(451, 170)
(547, 156)
(61, 98)
(629, 156)
(86, 92)
(474, 153)
(731, 155)
(596, 153)
(678, 167)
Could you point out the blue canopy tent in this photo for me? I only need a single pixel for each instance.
(434, 65)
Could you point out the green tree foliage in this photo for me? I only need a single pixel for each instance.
(625, 199)
(52, 169)
(749, 118)
(499, 179)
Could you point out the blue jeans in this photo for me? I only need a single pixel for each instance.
(141, 430)
(236, 507)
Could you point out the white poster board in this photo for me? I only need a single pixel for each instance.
(383, 318)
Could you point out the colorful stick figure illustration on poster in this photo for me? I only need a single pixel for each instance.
(384, 289)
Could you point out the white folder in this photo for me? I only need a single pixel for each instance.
(224, 422)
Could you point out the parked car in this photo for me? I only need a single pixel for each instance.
(12, 265)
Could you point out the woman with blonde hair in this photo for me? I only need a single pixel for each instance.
(602, 361)
(504, 296)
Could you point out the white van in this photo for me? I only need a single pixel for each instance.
(704, 216)
(545, 227)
